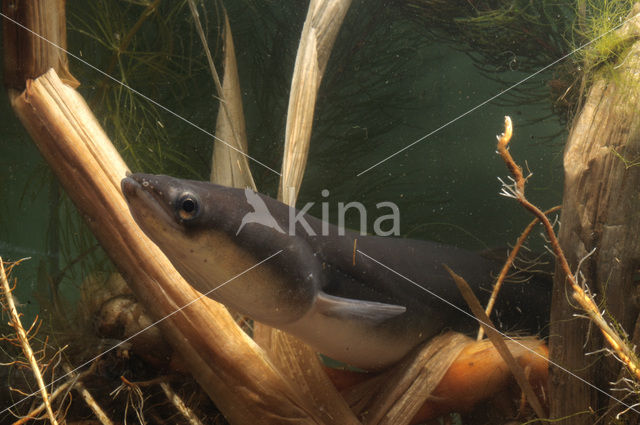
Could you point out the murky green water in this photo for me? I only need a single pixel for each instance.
(388, 84)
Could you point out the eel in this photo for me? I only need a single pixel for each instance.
(358, 312)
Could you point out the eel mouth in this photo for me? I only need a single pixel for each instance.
(146, 203)
(129, 187)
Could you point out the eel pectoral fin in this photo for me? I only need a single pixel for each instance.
(350, 309)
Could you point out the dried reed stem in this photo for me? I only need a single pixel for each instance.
(88, 398)
(24, 341)
(622, 350)
(498, 342)
(229, 166)
(175, 399)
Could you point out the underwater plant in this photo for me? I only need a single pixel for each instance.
(154, 46)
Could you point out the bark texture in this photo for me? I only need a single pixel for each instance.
(601, 211)
(230, 367)
(35, 39)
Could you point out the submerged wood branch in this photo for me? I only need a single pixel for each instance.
(88, 398)
(179, 404)
(507, 265)
(90, 169)
(61, 389)
(34, 36)
(600, 210)
(584, 299)
(498, 342)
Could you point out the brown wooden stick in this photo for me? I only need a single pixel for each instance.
(86, 395)
(25, 54)
(180, 406)
(622, 350)
(236, 374)
(16, 324)
(296, 359)
(507, 265)
(62, 388)
(498, 342)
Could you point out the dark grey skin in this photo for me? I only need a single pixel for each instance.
(362, 314)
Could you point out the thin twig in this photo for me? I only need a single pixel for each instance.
(213, 70)
(621, 349)
(507, 265)
(175, 399)
(498, 342)
(24, 342)
(205, 45)
(148, 383)
(88, 398)
(63, 388)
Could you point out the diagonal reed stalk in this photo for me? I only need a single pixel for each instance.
(320, 30)
(229, 167)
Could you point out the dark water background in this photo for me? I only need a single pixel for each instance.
(387, 84)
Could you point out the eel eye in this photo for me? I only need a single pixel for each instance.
(188, 207)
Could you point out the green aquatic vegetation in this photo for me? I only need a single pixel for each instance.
(145, 45)
(506, 34)
(508, 41)
(597, 22)
(140, 44)
(628, 163)
(526, 36)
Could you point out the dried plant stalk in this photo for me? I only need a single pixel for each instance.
(23, 338)
(296, 359)
(586, 302)
(321, 27)
(498, 342)
(412, 382)
(507, 265)
(29, 56)
(90, 169)
(301, 364)
(60, 389)
(88, 398)
(175, 399)
(229, 165)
